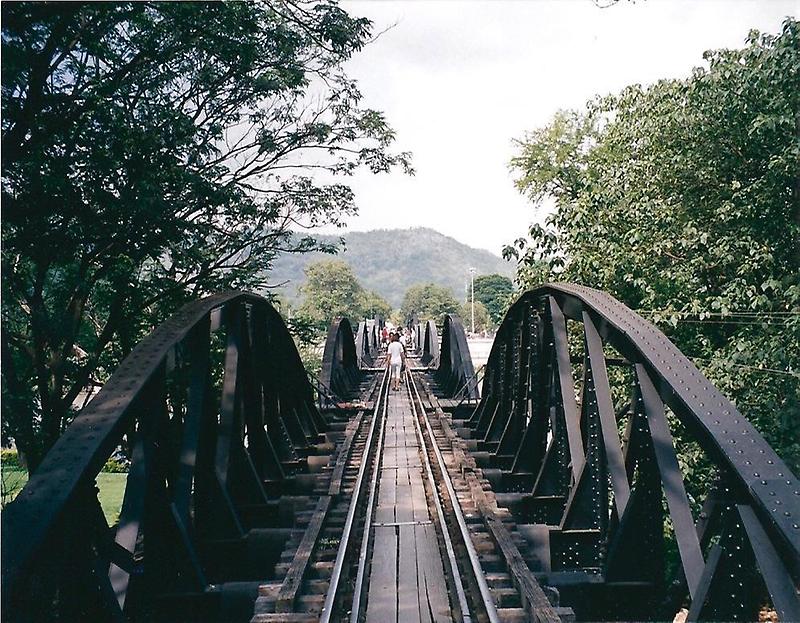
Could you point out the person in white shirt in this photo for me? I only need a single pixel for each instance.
(395, 359)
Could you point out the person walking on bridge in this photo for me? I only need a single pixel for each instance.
(395, 358)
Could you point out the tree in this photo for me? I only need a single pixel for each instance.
(331, 290)
(495, 292)
(683, 200)
(428, 302)
(483, 320)
(373, 305)
(153, 153)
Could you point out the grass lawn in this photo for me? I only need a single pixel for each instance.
(112, 488)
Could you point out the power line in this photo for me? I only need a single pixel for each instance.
(753, 368)
(734, 314)
(762, 323)
(769, 322)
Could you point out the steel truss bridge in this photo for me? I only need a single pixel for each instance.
(546, 487)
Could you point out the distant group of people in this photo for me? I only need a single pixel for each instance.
(397, 342)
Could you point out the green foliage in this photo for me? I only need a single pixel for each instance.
(303, 329)
(311, 356)
(111, 490)
(111, 484)
(428, 302)
(115, 466)
(496, 293)
(12, 479)
(10, 458)
(306, 334)
(683, 200)
(153, 153)
(483, 320)
(396, 318)
(332, 290)
(373, 305)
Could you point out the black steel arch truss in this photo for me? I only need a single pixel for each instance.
(375, 335)
(599, 502)
(368, 342)
(363, 344)
(419, 337)
(455, 373)
(219, 420)
(340, 359)
(430, 344)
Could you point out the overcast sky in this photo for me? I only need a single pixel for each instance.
(459, 80)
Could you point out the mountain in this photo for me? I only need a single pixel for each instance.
(389, 261)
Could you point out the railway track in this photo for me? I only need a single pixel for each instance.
(311, 565)
(257, 500)
(451, 552)
(498, 562)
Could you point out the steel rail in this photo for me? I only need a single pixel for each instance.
(338, 567)
(486, 594)
(451, 554)
(358, 587)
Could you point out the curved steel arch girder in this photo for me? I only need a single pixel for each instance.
(263, 395)
(531, 421)
(363, 344)
(368, 341)
(455, 373)
(430, 344)
(419, 337)
(340, 360)
(375, 336)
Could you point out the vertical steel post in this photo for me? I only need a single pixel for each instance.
(472, 295)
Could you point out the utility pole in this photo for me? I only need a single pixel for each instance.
(472, 295)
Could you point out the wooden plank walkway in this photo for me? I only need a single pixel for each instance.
(406, 582)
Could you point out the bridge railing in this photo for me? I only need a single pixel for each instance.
(607, 507)
(217, 416)
(465, 396)
(326, 399)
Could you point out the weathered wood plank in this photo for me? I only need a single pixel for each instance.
(344, 454)
(291, 584)
(432, 585)
(418, 499)
(382, 599)
(533, 598)
(404, 510)
(384, 513)
(408, 594)
(285, 617)
(389, 455)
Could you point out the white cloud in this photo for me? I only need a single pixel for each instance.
(459, 80)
